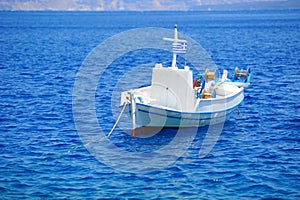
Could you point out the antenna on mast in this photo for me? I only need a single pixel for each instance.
(178, 46)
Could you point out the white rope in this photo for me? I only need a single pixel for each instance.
(93, 141)
(111, 131)
(119, 117)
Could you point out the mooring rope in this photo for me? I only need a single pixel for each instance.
(113, 128)
(118, 119)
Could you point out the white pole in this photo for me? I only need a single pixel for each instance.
(133, 113)
(175, 40)
(174, 60)
(175, 33)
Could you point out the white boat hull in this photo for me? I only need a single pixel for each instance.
(213, 111)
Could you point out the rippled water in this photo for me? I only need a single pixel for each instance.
(257, 155)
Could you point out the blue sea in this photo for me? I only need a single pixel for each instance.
(45, 156)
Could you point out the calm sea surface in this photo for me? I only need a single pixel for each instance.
(257, 155)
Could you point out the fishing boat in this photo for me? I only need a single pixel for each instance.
(176, 98)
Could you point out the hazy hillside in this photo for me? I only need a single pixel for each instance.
(147, 4)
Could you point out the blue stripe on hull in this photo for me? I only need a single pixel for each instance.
(148, 115)
(156, 117)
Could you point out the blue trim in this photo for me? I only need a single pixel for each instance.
(205, 112)
(185, 118)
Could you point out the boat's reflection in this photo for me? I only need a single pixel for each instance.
(149, 131)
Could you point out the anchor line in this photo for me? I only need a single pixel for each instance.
(113, 128)
(118, 119)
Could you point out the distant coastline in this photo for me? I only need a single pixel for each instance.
(152, 11)
(120, 6)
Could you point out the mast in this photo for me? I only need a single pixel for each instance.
(175, 41)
